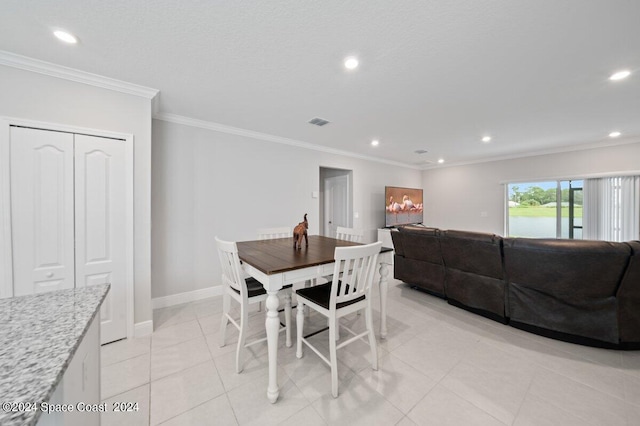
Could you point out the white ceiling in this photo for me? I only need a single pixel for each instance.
(434, 75)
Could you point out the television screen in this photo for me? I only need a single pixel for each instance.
(403, 206)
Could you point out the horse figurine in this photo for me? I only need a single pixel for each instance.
(300, 231)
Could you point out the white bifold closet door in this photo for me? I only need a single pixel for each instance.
(68, 217)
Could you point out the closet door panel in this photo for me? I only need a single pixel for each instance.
(100, 190)
(42, 212)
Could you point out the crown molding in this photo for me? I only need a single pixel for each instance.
(192, 122)
(559, 150)
(47, 68)
(579, 176)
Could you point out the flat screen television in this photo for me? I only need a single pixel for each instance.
(403, 206)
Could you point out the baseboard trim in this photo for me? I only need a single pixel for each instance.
(189, 296)
(144, 328)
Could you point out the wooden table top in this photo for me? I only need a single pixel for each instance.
(278, 255)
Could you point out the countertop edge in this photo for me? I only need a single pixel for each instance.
(23, 366)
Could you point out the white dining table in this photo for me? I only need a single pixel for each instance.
(275, 264)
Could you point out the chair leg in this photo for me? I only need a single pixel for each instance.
(300, 325)
(372, 338)
(307, 284)
(287, 317)
(244, 324)
(333, 357)
(337, 327)
(226, 302)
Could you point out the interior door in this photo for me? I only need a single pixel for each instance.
(100, 189)
(42, 210)
(68, 214)
(336, 203)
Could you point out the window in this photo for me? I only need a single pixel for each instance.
(549, 209)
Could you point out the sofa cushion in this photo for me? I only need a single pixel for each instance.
(483, 295)
(425, 275)
(474, 252)
(421, 243)
(473, 272)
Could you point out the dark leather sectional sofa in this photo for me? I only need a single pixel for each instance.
(580, 291)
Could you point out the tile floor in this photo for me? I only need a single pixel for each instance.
(440, 365)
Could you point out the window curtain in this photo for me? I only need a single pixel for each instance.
(612, 208)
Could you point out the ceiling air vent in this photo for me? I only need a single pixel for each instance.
(318, 121)
(420, 151)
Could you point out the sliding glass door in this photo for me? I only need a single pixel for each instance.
(549, 209)
(575, 210)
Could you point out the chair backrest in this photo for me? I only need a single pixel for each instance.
(355, 268)
(272, 233)
(231, 269)
(349, 234)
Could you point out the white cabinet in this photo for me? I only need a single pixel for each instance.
(80, 384)
(68, 217)
(384, 235)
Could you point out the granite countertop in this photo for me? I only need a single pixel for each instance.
(39, 334)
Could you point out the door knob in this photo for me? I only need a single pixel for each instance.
(49, 274)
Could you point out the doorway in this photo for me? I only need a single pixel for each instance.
(336, 200)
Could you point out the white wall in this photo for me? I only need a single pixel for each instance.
(32, 96)
(207, 184)
(455, 197)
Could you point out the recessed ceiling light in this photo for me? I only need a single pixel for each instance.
(486, 139)
(65, 36)
(351, 63)
(375, 142)
(614, 134)
(620, 75)
(441, 160)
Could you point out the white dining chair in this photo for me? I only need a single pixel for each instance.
(349, 234)
(272, 233)
(245, 291)
(356, 265)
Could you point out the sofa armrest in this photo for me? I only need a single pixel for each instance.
(397, 239)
